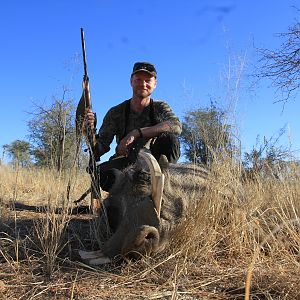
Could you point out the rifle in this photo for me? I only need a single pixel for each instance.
(90, 133)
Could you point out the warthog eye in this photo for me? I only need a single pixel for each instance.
(142, 182)
(141, 177)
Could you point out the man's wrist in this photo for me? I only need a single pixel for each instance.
(140, 133)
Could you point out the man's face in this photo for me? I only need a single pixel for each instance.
(142, 84)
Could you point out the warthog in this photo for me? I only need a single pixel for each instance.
(141, 210)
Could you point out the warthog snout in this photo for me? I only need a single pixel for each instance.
(143, 241)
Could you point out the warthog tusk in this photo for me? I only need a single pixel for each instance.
(99, 261)
(90, 254)
(94, 257)
(157, 179)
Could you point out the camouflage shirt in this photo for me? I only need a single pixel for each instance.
(121, 116)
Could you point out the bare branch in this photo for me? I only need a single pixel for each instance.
(282, 66)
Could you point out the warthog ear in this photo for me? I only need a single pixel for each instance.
(165, 167)
(163, 163)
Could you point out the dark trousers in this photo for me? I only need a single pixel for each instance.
(165, 144)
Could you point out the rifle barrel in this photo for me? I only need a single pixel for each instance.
(83, 54)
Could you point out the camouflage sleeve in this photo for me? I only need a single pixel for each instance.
(164, 113)
(106, 133)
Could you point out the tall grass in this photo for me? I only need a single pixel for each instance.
(36, 186)
(247, 223)
(44, 192)
(233, 229)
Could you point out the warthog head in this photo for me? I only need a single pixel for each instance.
(139, 212)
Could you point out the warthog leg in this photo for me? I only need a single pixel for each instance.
(83, 196)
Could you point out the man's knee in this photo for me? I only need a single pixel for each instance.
(167, 144)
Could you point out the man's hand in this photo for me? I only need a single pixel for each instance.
(125, 143)
(89, 120)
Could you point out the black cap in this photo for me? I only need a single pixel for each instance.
(144, 67)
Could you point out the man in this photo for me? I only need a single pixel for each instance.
(138, 122)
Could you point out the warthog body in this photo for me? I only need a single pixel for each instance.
(130, 224)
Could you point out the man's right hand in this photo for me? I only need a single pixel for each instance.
(89, 119)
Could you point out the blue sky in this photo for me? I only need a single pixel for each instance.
(191, 43)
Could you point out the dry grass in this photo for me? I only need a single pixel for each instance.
(232, 230)
(38, 186)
